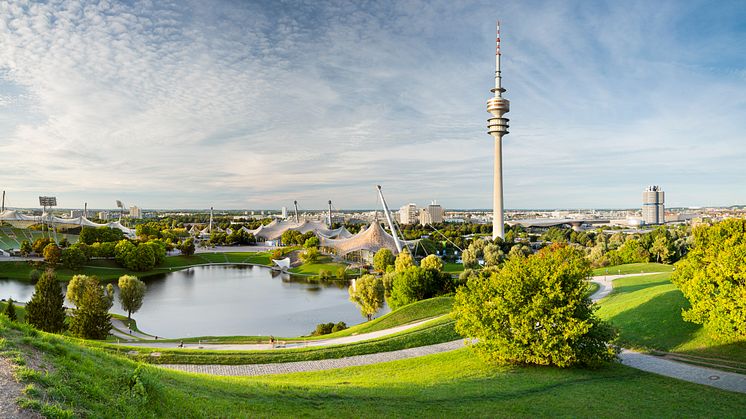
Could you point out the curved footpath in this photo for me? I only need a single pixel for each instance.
(649, 363)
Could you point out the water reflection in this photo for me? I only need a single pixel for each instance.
(231, 300)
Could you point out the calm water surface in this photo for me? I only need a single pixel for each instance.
(230, 300)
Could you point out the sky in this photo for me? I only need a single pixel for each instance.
(254, 104)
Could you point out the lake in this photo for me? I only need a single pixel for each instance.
(230, 300)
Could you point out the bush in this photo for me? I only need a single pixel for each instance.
(310, 255)
(187, 247)
(311, 242)
(339, 326)
(415, 284)
(73, 258)
(10, 310)
(325, 274)
(711, 278)
(383, 259)
(323, 329)
(278, 254)
(535, 310)
(52, 254)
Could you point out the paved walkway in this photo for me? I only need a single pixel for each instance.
(320, 365)
(280, 344)
(653, 364)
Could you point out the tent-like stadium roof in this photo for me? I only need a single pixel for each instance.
(372, 239)
(17, 219)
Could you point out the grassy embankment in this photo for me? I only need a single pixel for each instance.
(633, 268)
(647, 312)
(65, 378)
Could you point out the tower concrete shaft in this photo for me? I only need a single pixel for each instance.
(497, 127)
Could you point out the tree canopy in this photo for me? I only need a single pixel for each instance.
(713, 279)
(367, 292)
(45, 311)
(131, 293)
(535, 310)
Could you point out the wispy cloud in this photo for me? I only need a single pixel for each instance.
(254, 104)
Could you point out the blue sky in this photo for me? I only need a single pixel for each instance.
(255, 104)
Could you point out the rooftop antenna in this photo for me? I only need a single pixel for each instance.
(387, 213)
(297, 220)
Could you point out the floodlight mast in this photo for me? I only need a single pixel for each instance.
(387, 213)
(297, 220)
(330, 213)
(47, 201)
(210, 229)
(2, 208)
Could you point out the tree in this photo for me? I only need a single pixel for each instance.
(26, 248)
(310, 255)
(416, 283)
(367, 292)
(311, 242)
(40, 244)
(77, 286)
(711, 277)
(10, 310)
(469, 259)
(403, 261)
(52, 254)
(73, 258)
(383, 259)
(131, 293)
(45, 311)
(534, 310)
(432, 262)
(187, 247)
(91, 318)
(493, 255)
(64, 243)
(660, 249)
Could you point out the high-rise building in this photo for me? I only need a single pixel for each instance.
(284, 212)
(653, 210)
(433, 214)
(135, 212)
(408, 214)
(103, 215)
(497, 126)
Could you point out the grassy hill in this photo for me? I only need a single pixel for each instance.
(64, 377)
(647, 311)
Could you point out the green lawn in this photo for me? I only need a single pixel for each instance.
(633, 268)
(452, 267)
(323, 264)
(87, 382)
(647, 311)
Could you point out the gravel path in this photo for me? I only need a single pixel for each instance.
(324, 364)
(10, 390)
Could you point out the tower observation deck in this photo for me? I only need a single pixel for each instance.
(497, 126)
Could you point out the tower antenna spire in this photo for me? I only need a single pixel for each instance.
(497, 127)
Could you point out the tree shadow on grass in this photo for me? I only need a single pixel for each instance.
(621, 289)
(656, 324)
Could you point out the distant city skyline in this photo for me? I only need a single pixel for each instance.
(251, 105)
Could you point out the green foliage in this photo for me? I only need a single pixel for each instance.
(73, 258)
(417, 283)
(77, 286)
(40, 244)
(90, 235)
(713, 279)
(383, 259)
(310, 255)
(26, 248)
(469, 259)
(535, 311)
(432, 262)
(142, 257)
(45, 311)
(368, 293)
(187, 247)
(52, 254)
(403, 261)
(10, 310)
(493, 255)
(311, 242)
(131, 294)
(278, 254)
(91, 318)
(64, 243)
(291, 237)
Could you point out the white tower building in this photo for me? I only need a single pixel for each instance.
(497, 126)
(653, 209)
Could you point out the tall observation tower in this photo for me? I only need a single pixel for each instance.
(497, 126)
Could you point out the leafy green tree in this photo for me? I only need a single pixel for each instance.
(311, 242)
(403, 261)
(535, 310)
(310, 255)
(493, 255)
(469, 259)
(383, 259)
(660, 249)
(77, 286)
(416, 283)
(10, 310)
(432, 262)
(519, 251)
(40, 244)
(26, 248)
(711, 277)
(45, 311)
(52, 254)
(632, 251)
(64, 243)
(91, 318)
(187, 247)
(131, 294)
(73, 258)
(368, 293)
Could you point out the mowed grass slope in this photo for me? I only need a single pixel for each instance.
(77, 380)
(633, 268)
(647, 312)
